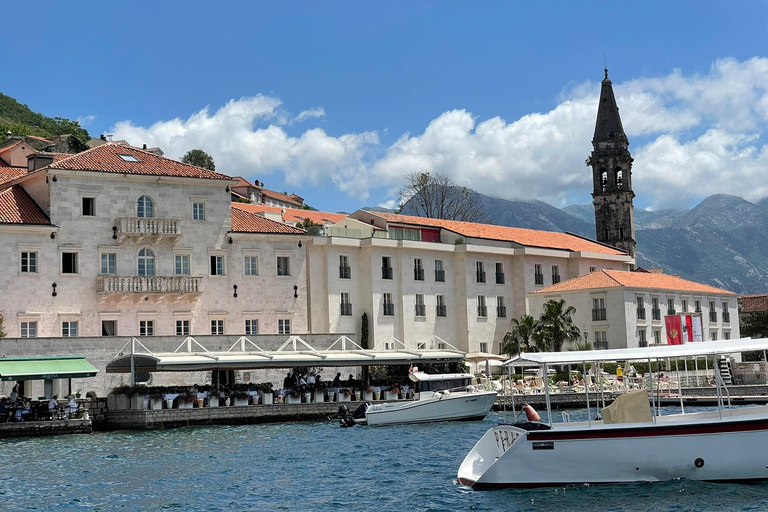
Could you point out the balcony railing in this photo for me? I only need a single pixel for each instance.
(482, 311)
(141, 226)
(555, 278)
(389, 310)
(713, 317)
(656, 314)
(601, 345)
(346, 309)
(501, 311)
(726, 317)
(641, 313)
(538, 278)
(386, 272)
(598, 314)
(154, 284)
(440, 276)
(441, 310)
(480, 276)
(421, 310)
(671, 312)
(418, 274)
(345, 272)
(499, 277)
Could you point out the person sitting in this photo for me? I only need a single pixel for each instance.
(336, 381)
(23, 409)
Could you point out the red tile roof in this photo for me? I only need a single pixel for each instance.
(625, 278)
(16, 207)
(294, 214)
(8, 173)
(106, 158)
(753, 303)
(278, 196)
(246, 222)
(526, 237)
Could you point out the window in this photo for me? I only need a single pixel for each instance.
(592, 269)
(29, 329)
(726, 316)
(182, 265)
(684, 306)
(555, 274)
(108, 262)
(441, 310)
(640, 308)
(404, 234)
(198, 211)
(598, 309)
(251, 327)
(145, 208)
(146, 263)
(251, 265)
(670, 306)
(69, 329)
(129, 158)
(89, 206)
(538, 277)
(386, 268)
(712, 312)
(146, 327)
(482, 309)
(418, 270)
(284, 326)
(713, 335)
(484, 347)
(69, 263)
(726, 335)
(217, 326)
(389, 306)
(501, 307)
(601, 340)
(480, 274)
(421, 308)
(642, 341)
(182, 327)
(657, 336)
(109, 327)
(439, 272)
(499, 273)
(29, 262)
(346, 304)
(344, 271)
(283, 266)
(655, 311)
(217, 265)
(697, 306)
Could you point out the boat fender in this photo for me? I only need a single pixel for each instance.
(531, 413)
(437, 395)
(470, 389)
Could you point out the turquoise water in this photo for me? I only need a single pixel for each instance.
(308, 467)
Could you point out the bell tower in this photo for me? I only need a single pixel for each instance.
(612, 175)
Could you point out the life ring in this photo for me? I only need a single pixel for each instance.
(531, 413)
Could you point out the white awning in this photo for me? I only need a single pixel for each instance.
(706, 348)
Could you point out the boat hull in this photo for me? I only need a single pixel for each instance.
(464, 406)
(714, 450)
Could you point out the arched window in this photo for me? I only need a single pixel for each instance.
(146, 263)
(621, 232)
(145, 208)
(619, 177)
(603, 180)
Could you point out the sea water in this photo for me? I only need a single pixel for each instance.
(308, 467)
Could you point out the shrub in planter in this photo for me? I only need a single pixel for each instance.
(240, 397)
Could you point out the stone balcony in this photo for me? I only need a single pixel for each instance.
(149, 285)
(140, 229)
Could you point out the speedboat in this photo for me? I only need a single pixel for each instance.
(632, 442)
(438, 397)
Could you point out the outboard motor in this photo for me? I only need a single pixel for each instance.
(352, 419)
(359, 413)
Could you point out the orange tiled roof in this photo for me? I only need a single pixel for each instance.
(294, 214)
(8, 173)
(16, 207)
(280, 197)
(246, 222)
(625, 278)
(753, 303)
(106, 158)
(527, 237)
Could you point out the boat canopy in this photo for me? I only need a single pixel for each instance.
(705, 348)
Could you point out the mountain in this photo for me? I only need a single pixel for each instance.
(21, 121)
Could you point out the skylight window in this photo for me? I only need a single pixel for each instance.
(129, 158)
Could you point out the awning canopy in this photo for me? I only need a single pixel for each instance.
(705, 348)
(39, 368)
(245, 355)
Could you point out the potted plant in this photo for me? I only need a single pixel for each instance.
(345, 395)
(79, 392)
(186, 400)
(331, 395)
(213, 397)
(293, 396)
(266, 393)
(240, 398)
(156, 396)
(319, 394)
(368, 395)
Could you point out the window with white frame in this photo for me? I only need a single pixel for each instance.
(29, 329)
(283, 266)
(421, 308)
(217, 265)
(217, 326)
(482, 309)
(670, 307)
(109, 327)
(501, 307)
(601, 340)
(480, 271)
(108, 263)
(182, 327)
(389, 306)
(145, 208)
(29, 262)
(598, 309)
(697, 306)
(439, 271)
(69, 263)
(146, 327)
(146, 263)
(198, 211)
(346, 304)
(181, 266)
(283, 326)
(251, 265)
(726, 335)
(726, 313)
(656, 336)
(538, 275)
(713, 335)
(592, 269)
(484, 347)
(345, 272)
(441, 309)
(642, 340)
(555, 274)
(418, 270)
(69, 329)
(684, 306)
(251, 326)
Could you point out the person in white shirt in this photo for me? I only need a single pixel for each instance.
(72, 406)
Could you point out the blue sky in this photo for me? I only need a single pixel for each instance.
(335, 101)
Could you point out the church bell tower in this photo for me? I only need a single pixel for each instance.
(612, 175)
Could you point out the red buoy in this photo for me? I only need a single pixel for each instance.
(531, 413)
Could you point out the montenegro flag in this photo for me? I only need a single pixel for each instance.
(674, 330)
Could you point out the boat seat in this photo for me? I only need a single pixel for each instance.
(632, 407)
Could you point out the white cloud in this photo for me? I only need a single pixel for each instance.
(692, 136)
(86, 120)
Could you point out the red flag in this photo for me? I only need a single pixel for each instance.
(689, 327)
(674, 330)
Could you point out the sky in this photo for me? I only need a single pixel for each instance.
(337, 101)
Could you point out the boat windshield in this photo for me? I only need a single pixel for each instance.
(442, 385)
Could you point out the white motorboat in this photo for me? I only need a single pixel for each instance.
(438, 397)
(630, 443)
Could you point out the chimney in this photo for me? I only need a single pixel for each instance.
(103, 137)
(145, 146)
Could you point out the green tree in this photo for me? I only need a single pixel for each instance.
(311, 228)
(555, 327)
(754, 325)
(199, 158)
(520, 338)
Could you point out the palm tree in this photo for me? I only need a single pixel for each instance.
(520, 338)
(555, 326)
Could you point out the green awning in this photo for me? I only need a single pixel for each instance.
(40, 368)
